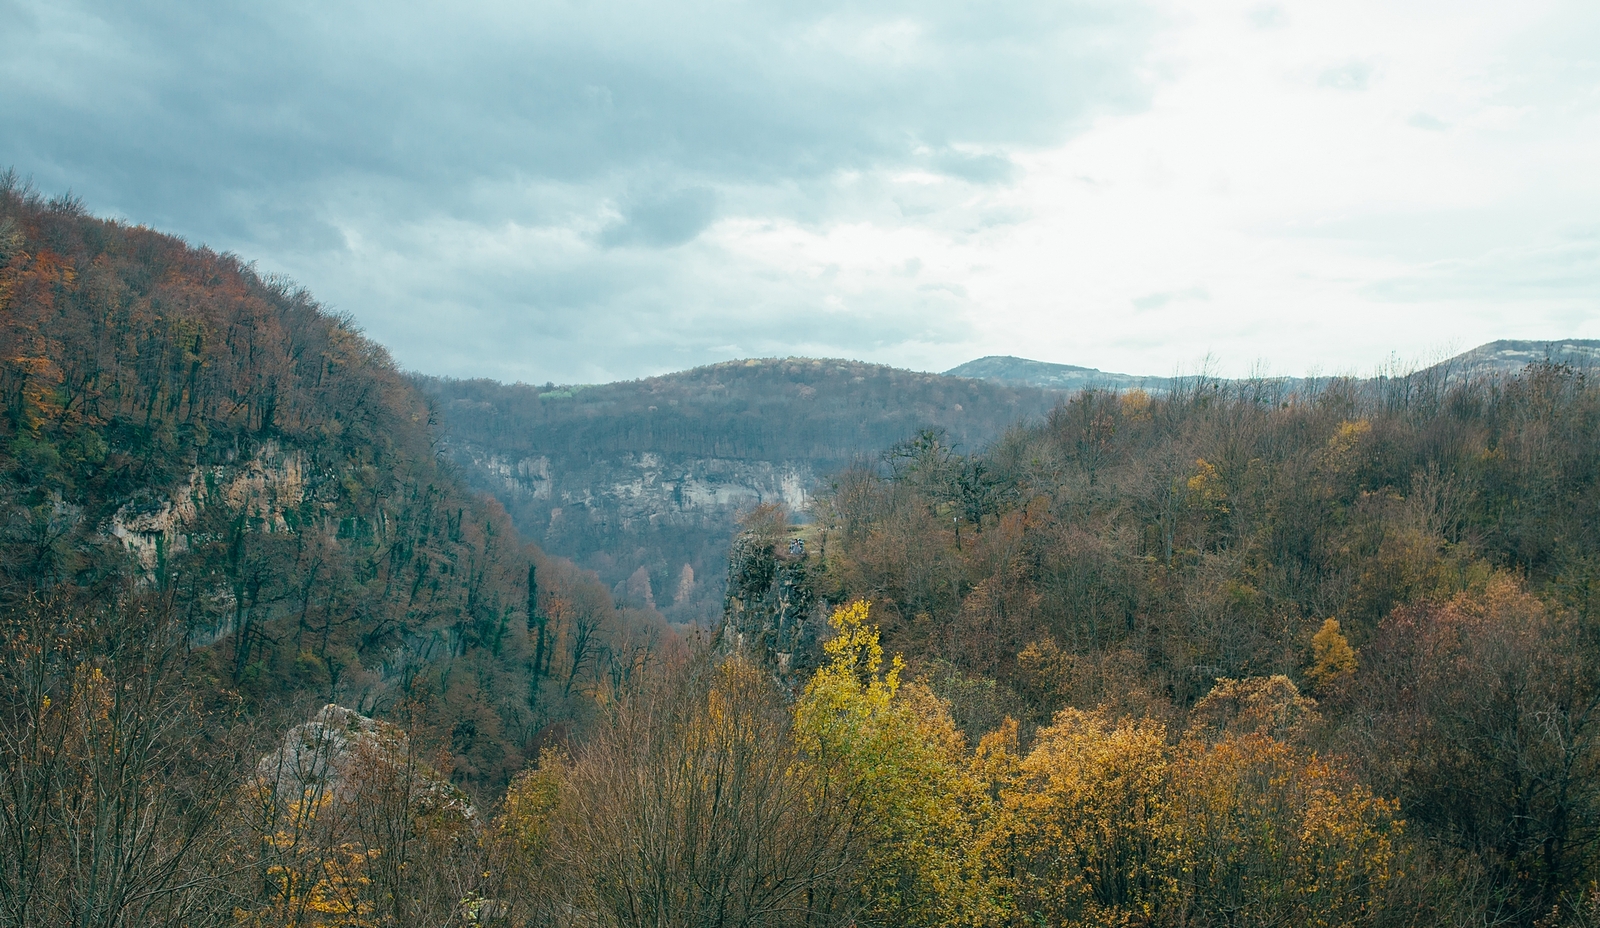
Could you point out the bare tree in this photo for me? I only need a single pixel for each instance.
(109, 813)
(689, 808)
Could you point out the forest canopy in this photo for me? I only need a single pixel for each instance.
(1398, 576)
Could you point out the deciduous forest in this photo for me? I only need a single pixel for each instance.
(1393, 583)
(1230, 655)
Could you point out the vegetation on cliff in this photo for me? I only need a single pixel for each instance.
(220, 507)
(641, 480)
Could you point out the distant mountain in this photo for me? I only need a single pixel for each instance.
(642, 480)
(1042, 374)
(1499, 357)
(1509, 356)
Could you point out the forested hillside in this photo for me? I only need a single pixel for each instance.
(1063, 377)
(182, 435)
(642, 480)
(1389, 585)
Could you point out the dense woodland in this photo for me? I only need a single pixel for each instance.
(1394, 583)
(1229, 656)
(774, 409)
(220, 508)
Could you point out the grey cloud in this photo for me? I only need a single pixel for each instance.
(1158, 300)
(663, 220)
(309, 94)
(989, 168)
(1427, 121)
(341, 142)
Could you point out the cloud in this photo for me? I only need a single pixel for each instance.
(663, 220)
(1427, 121)
(548, 190)
(1158, 300)
(978, 168)
(1563, 268)
(1268, 16)
(1353, 75)
(328, 140)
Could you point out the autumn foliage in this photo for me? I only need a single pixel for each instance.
(1335, 638)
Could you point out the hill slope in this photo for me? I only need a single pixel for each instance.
(176, 429)
(1509, 356)
(1045, 375)
(642, 480)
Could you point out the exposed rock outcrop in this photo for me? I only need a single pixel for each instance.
(340, 753)
(772, 612)
(659, 513)
(264, 490)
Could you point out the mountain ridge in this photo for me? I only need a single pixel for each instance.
(642, 480)
(1503, 356)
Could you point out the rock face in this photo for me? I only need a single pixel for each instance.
(341, 752)
(660, 514)
(634, 492)
(263, 491)
(772, 613)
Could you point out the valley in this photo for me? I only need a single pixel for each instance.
(643, 482)
(292, 638)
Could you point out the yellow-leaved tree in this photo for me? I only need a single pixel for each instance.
(1107, 821)
(1332, 658)
(889, 753)
(1076, 837)
(1255, 832)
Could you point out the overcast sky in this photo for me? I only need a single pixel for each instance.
(588, 191)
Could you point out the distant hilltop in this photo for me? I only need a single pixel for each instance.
(1509, 356)
(1023, 372)
(1506, 356)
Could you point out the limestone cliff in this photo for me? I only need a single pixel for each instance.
(649, 475)
(656, 526)
(263, 491)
